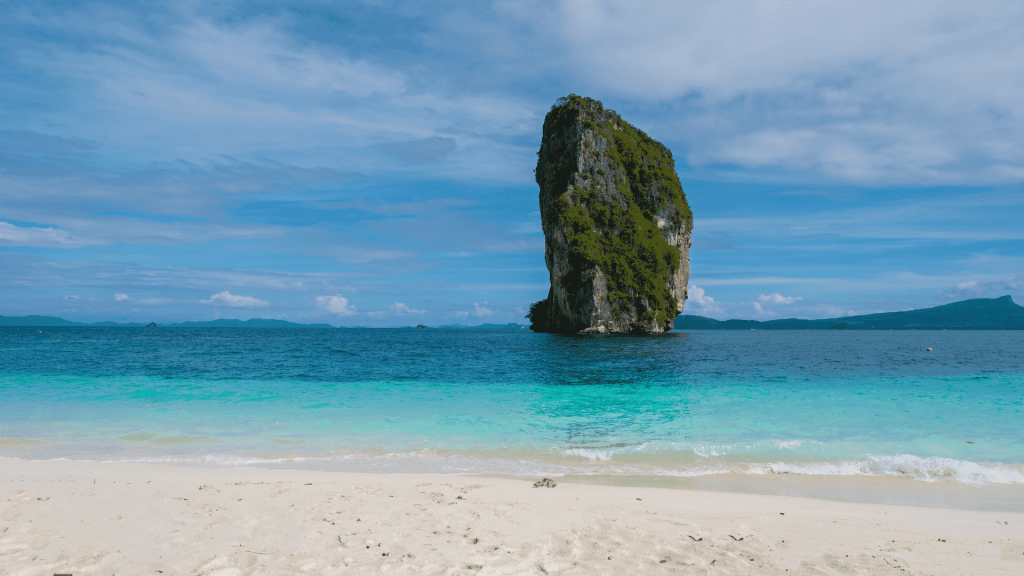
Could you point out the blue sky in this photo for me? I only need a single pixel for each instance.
(371, 163)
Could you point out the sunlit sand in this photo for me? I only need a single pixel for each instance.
(112, 518)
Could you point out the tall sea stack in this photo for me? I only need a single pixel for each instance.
(616, 225)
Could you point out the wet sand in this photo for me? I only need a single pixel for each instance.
(105, 518)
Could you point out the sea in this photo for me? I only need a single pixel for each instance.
(437, 401)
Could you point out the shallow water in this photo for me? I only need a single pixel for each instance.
(456, 401)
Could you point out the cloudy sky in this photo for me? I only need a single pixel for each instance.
(371, 162)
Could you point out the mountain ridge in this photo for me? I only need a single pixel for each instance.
(54, 321)
(36, 320)
(1000, 313)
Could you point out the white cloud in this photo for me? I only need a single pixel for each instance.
(11, 235)
(260, 54)
(701, 304)
(479, 310)
(970, 288)
(253, 83)
(830, 311)
(403, 310)
(226, 298)
(369, 255)
(162, 301)
(777, 298)
(859, 91)
(336, 304)
(761, 308)
(71, 297)
(704, 304)
(120, 297)
(979, 288)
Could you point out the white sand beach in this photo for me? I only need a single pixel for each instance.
(62, 517)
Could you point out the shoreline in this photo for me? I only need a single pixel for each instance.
(941, 492)
(61, 516)
(884, 490)
(902, 469)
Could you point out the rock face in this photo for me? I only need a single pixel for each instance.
(616, 225)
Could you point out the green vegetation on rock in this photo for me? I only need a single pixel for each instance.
(610, 214)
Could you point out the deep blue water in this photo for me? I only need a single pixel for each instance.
(505, 401)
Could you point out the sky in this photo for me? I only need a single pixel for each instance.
(370, 163)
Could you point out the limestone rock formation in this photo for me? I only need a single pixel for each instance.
(616, 225)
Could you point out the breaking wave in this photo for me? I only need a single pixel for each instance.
(930, 469)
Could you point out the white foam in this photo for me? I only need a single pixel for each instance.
(609, 461)
(788, 444)
(709, 451)
(930, 469)
(589, 454)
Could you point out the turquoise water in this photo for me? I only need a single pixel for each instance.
(826, 403)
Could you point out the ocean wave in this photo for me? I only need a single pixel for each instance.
(929, 469)
(589, 453)
(925, 469)
(700, 449)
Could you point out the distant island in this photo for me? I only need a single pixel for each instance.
(53, 321)
(976, 314)
(509, 326)
(222, 323)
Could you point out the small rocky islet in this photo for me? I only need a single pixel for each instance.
(616, 225)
